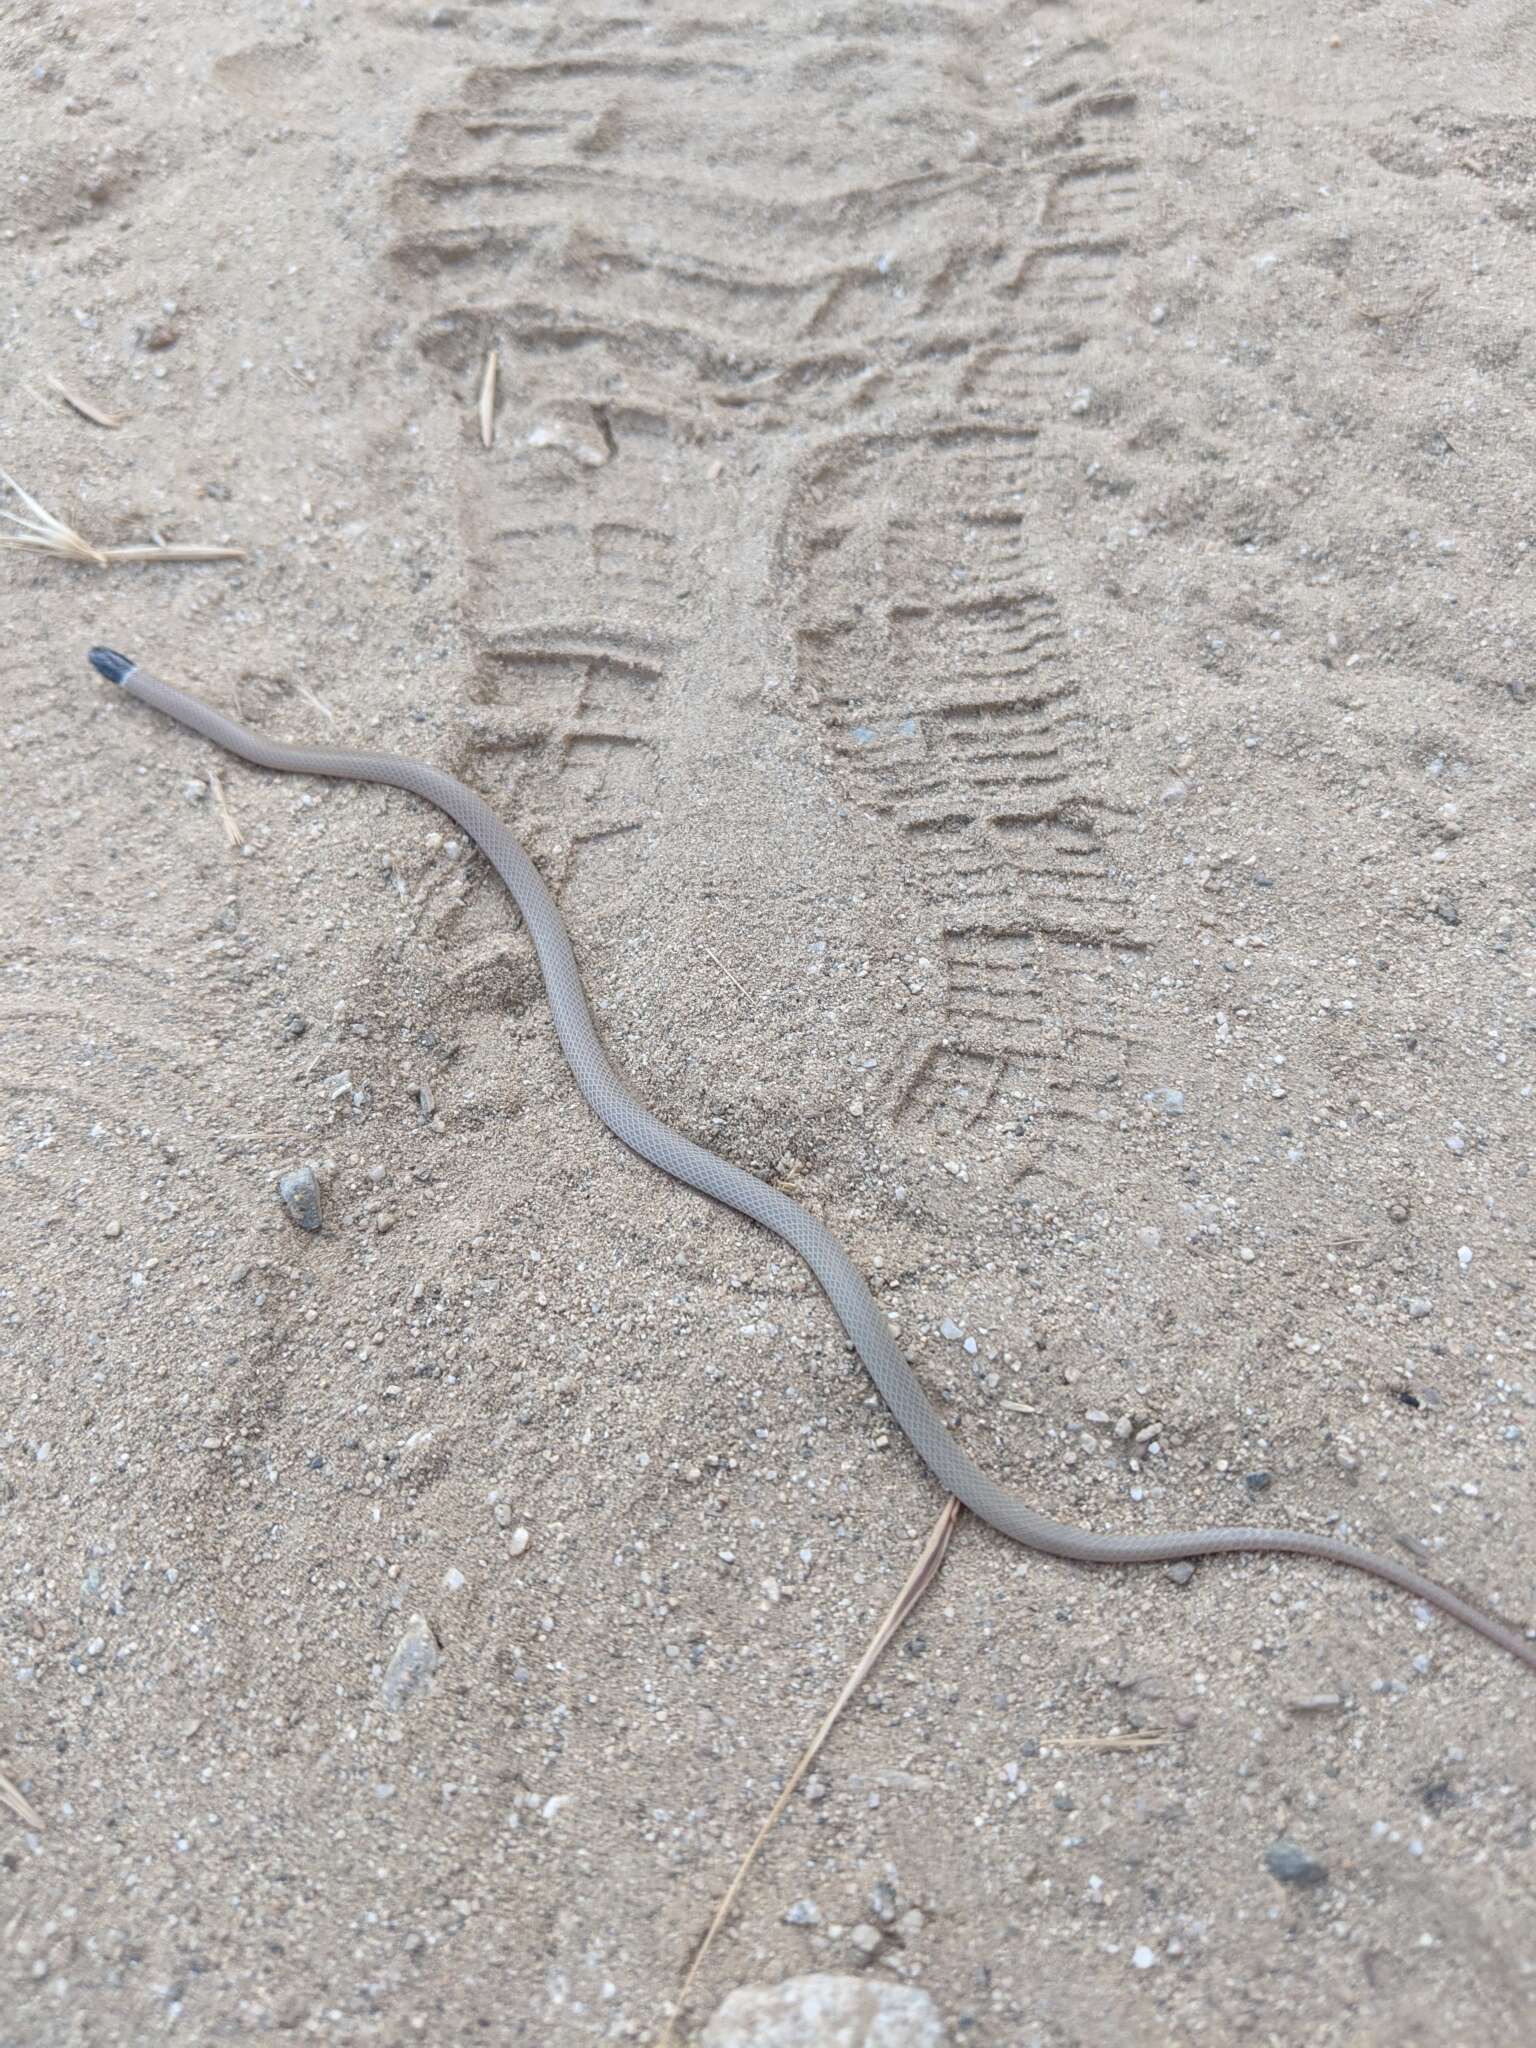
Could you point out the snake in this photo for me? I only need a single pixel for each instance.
(615, 1105)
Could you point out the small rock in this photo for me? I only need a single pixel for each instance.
(1464, 1257)
(161, 336)
(113, 1230)
(1180, 1573)
(949, 1329)
(1456, 1144)
(411, 1667)
(384, 1223)
(574, 427)
(1419, 1305)
(517, 1542)
(866, 1939)
(826, 2012)
(911, 1924)
(882, 1903)
(1398, 1212)
(299, 1192)
(1283, 1860)
(1143, 1958)
(1169, 1100)
(1258, 1482)
(295, 1026)
(454, 1579)
(803, 1913)
(1316, 1703)
(1446, 911)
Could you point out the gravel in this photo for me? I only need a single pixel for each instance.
(1291, 1865)
(299, 1193)
(412, 1666)
(826, 2012)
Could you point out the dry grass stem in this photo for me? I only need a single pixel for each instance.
(43, 534)
(170, 551)
(1123, 1740)
(19, 1804)
(488, 400)
(83, 406)
(232, 831)
(317, 702)
(919, 1580)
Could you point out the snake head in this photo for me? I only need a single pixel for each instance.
(113, 666)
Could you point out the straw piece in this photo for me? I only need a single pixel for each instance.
(488, 400)
(919, 1579)
(19, 1804)
(83, 406)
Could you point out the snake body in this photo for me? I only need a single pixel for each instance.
(613, 1104)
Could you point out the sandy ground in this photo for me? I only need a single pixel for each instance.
(1001, 599)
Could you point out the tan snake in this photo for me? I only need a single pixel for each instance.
(611, 1101)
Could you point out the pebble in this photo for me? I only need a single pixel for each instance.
(882, 1903)
(803, 1913)
(1169, 1100)
(1464, 1257)
(866, 1939)
(949, 1329)
(517, 1542)
(1419, 1305)
(113, 1230)
(576, 429)
(1283, 1860)
(412, 1666)
(1455, 1144)
(1180, 1573)
(816, 2012)
(299, 1192)
(295, 1026)
(1258, 1482)
(1143, 1958)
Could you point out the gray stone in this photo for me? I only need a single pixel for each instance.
(1169, 1100)
(300, 1193)
(413, 1664)
(826, 2012)
(1291, 1865)
(1180, 1573)
(803, 1913)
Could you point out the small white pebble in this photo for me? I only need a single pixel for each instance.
(517, 1542)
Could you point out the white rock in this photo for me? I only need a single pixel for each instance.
(826, 2012)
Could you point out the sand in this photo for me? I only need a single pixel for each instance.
(1000, 599)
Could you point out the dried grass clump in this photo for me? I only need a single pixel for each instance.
(41, 533)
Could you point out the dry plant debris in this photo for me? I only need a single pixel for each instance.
(919, 1579)
(43, 534)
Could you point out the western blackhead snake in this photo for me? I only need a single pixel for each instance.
(613, 1104)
